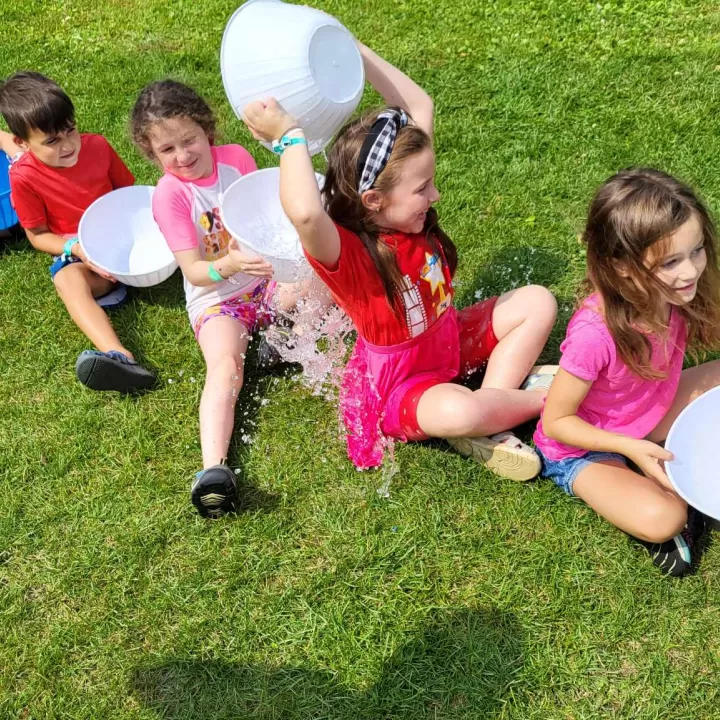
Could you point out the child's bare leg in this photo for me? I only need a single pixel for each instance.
(223, 341)
(453, 411)
(522, 321)
(693, 382)
(636, 504)
(78, 286)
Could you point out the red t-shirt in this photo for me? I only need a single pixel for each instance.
(58, 197)
(356, 287)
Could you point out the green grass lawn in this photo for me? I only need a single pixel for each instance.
(459, 596)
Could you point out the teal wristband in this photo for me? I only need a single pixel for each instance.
(68, 246)
(279, 146)
(214, 274)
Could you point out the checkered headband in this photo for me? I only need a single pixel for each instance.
(378, 145)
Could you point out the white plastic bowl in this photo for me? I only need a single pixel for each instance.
(251, 212)
(694, 441)
(119, 234)
(301, 56)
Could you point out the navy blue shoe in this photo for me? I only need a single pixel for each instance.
(112, 371)
(214, 491)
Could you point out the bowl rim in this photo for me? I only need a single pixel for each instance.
(117, 273)
(669, 465)
(271, 170)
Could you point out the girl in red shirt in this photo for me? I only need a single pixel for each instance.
(373, 238)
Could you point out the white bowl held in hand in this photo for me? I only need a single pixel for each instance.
(302, 57)
(119, 234)
(251, 212)
(694, 440)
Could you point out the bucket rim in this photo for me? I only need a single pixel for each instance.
(669, 465)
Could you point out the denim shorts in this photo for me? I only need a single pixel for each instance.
(60, 262)
(563, 472)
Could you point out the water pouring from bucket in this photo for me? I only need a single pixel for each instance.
(251, 212)
(302, 57)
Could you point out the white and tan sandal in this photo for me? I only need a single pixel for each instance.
(540, 377)
(504, 454)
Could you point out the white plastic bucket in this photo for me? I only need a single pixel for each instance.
(119, 234)
(301, 56)
(693, 440)
(251, 212)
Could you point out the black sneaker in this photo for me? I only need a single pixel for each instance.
(674, 556)
(214, 491)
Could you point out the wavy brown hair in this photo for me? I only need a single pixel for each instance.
(164, 100)
(630, 223)
(344, 203)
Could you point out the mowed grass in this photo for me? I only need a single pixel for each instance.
(459, 596)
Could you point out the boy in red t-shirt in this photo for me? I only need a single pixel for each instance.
(58, 176)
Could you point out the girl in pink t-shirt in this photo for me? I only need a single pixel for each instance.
(655, 289)
(228, 294)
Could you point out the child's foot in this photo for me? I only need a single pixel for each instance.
(214, 491)
(504, 454)
(111, 371)
(674, 556)
(540, 377)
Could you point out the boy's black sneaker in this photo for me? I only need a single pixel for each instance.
(214, 491)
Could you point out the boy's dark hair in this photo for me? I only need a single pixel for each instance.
(30, 101)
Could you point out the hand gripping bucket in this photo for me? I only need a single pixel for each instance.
(301, 56)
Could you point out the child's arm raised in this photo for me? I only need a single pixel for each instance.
(397, 88)
(561, 422)
(299, 192)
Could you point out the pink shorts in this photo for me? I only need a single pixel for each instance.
(382, 386)
(254, 309)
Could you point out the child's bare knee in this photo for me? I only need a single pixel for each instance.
(226, 367)
(542, 304)
(663, 519)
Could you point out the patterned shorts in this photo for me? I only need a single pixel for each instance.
(254, 309)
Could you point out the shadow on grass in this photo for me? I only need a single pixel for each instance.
(463, 665)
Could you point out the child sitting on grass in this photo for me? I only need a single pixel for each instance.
(373, 237)
(229, 295)
(57, 176)
(654, 289)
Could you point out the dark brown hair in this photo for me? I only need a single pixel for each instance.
(631, 221)
(344, 203)
(30, 101)
(164, 100)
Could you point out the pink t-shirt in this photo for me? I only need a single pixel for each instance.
(188, 214)
(618, 400)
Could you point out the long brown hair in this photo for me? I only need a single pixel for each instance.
(344, 204)
(630, 223)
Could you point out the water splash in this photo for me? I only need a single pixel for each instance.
(321, 346)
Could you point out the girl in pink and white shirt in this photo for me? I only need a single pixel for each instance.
(228, 294)
(655, 290)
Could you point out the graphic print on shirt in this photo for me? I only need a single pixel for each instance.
(216, 237)
(420, 300)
